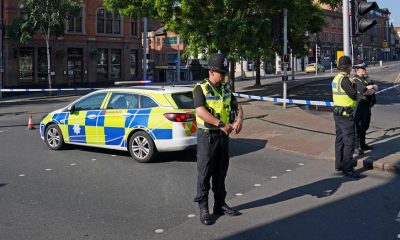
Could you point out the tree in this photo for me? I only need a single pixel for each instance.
(47, 18)
(235, 27)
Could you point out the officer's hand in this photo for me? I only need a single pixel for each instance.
(375, 87)
(237, 126)
(227, 129)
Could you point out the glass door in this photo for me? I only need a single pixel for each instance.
(75, 65)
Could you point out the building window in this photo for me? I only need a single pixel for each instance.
(171, 57)
(42, 64)
(133, 64)
(108, 22)
(25, 65)
(158, 42)
(333, 37)
(75, 24)
(115, 64)
(169, 41)
(102, 65)
(134, 27)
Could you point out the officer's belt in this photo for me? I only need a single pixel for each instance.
(211, 131)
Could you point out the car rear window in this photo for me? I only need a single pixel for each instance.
(183, 100)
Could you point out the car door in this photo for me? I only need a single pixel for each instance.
(83, 121)
(120, 109)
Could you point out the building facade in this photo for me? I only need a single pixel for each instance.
(98, 48)
(374, 45)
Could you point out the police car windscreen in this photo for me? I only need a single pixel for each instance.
(183, 100)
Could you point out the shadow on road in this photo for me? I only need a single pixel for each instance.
(319, 189)
(3, 184)
(365, 215)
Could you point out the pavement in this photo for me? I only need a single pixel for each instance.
(297, 130)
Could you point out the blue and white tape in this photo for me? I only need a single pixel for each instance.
(297, 101)
(47, 89)
(384, 90)
(290, 101)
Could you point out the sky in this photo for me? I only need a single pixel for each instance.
(394, 9)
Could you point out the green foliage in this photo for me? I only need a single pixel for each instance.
(46, 16)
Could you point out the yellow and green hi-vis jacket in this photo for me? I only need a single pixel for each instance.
(340, 98)
(219, 102)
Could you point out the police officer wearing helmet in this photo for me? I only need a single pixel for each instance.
(365, 100)
(216, 110)
(344, 93)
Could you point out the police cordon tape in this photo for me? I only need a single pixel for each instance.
(241, 95)
(47, 89)
(297, 101)
(290, 101)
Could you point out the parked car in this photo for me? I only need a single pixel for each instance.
(310, 68)
(142, 120)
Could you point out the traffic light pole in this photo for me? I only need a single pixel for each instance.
(144, 48)
(316, 59)
(284, 76)
(346, 28)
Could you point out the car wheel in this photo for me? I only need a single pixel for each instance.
(53, 137)
(142, 147)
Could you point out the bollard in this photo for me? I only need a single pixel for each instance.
(380, 63)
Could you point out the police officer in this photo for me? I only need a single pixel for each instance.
(344, 93)
(216, 110)
(365, 100)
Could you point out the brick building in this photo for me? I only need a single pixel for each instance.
(98, 48)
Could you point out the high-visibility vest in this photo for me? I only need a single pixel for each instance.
(218, 102)
(340, 98)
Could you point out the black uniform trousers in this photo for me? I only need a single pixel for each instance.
(362, 120)
(344, 143)
(212, 162)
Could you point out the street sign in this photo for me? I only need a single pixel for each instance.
(385, 44)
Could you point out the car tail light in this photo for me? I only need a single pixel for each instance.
(179, 117)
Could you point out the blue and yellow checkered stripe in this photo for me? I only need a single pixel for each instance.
(111, 127)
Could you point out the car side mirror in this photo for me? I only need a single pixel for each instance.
(72, 109)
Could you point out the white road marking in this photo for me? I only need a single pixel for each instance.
(48, 169)
(257, 185)
(94, 159)
(288, 170)
(398, 217)
(114, 155)
(22, 175)
(191, 216)
(273, 177)
(159, 230)
(238, 194)
(301, 164)
(73, 164)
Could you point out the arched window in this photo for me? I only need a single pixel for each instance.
(107, 22)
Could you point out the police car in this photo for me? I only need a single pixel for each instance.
(142, 120)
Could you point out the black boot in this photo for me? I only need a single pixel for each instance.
(221, 209)
(205, 217)
(366, 147)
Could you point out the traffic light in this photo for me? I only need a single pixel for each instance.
(360, 10)
(318, 51)
(286, 58)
